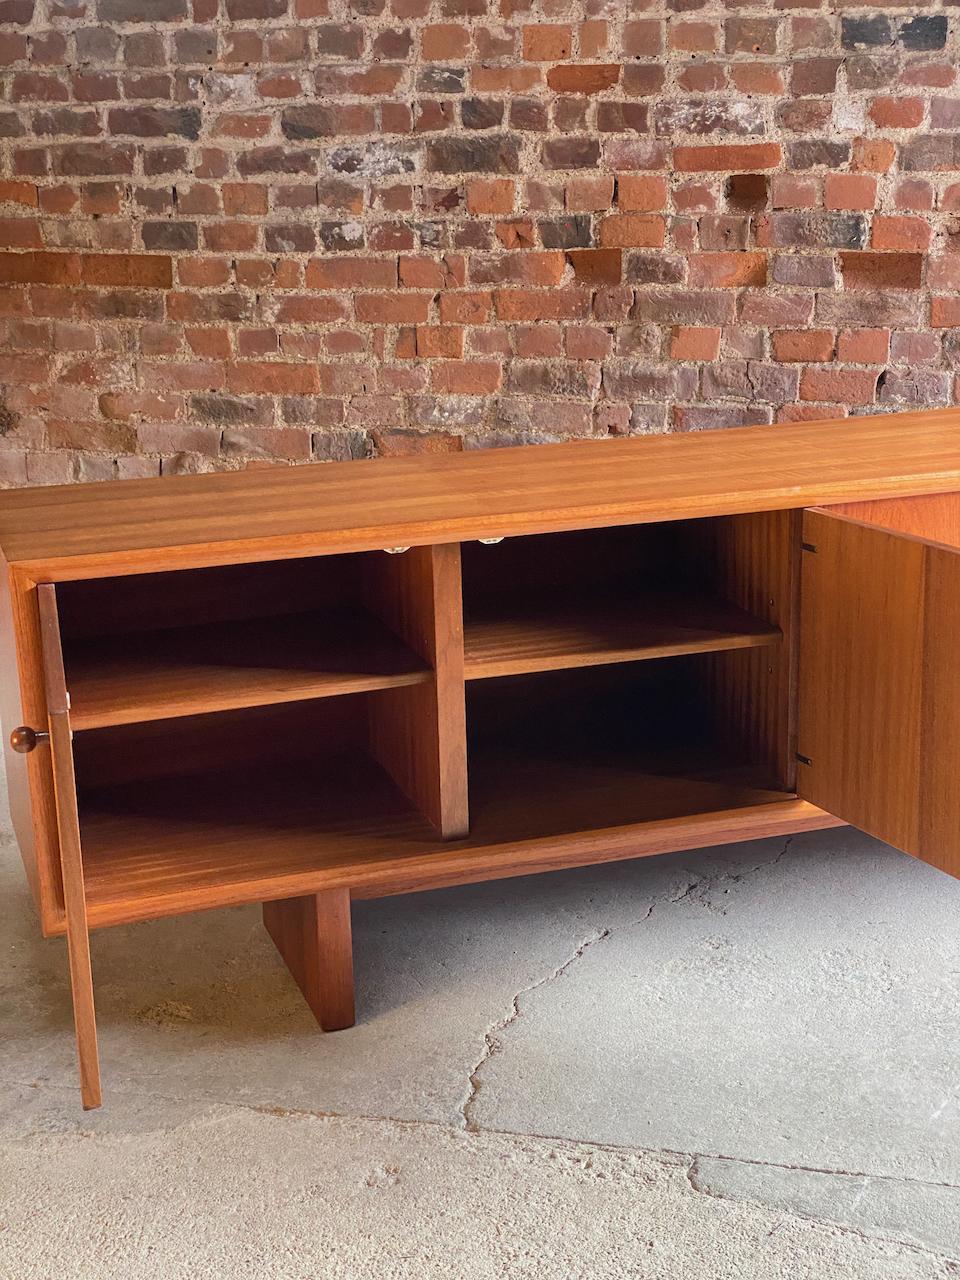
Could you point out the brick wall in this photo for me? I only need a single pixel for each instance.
(254, 231)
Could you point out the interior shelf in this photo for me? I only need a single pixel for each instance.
(514, 636)
(185, 670)
(174, 844)
(568, 763)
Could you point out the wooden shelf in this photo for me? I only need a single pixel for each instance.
(515, 636)
(189, 670)
(184, 844)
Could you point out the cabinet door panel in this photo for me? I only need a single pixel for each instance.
(879, 716)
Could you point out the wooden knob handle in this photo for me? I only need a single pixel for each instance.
(24, 739)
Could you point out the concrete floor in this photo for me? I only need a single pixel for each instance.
(743, 1062)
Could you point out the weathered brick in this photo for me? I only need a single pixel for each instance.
(155, 122)
(496, 154)
(468, 213)
(881, 270)
(727, 270)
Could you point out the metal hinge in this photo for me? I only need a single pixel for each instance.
(803, 759)
(807, 546)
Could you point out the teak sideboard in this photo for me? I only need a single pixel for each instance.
(303, 686)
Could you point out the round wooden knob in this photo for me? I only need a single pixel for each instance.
(24, 739)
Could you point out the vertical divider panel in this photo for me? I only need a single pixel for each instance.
(754, 561)
(418, 733)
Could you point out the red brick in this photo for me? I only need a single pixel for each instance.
(393, 308)
(849, 191)
(734, 156)
(591, 193)
(727, 270)
(268, 377)
(694, 37)
(596, 266)
(865, 270)
(39, 268)
(632, 230)
(491, 195)
(547, 43)
(542, 304)
(692, 343)
(873, 155)
(896, 113)
(466, 308)
(945, 313)
(813, 345)
(900, 233)
(13, 192)
(636, 192)
(570, 78)
(445, 42)
(351, 273)
(466, 377)
(846, 386)
(864, 346)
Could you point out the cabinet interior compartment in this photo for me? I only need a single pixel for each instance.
(151, 646)
(590, 748)
(258, 797)
(601, 596)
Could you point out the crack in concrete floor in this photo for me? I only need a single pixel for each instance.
(703, 890)
(493, 1036)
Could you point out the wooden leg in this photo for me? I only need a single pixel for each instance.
(313, 936)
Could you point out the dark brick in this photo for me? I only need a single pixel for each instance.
(914, 388)
(441, 80)
(253, 10)
(155, 122)
(169, 235)
(815, 153)
(571, 153)
(198, 45)
(160, 160)
(812, 231)
(481, 113)
(315, 120)
(653, 268)
(571, 232)
(141, 10)
(862, 32)
(143, 49)
(926, 31)
(97, 44)
(226, 411)
(623, 117)
(927, 154)
(747, 190)
(276, 160)
(499, 153)
(860, 308)
(814, 75)
(341, 235)
(804, 269)
(66, 122)
(528, 115)
(340, 41)
(295, 237)
(92, 160)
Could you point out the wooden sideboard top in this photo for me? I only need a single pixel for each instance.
(131, 526)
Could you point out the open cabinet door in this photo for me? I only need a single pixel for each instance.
(879, 717)
(71, 859)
